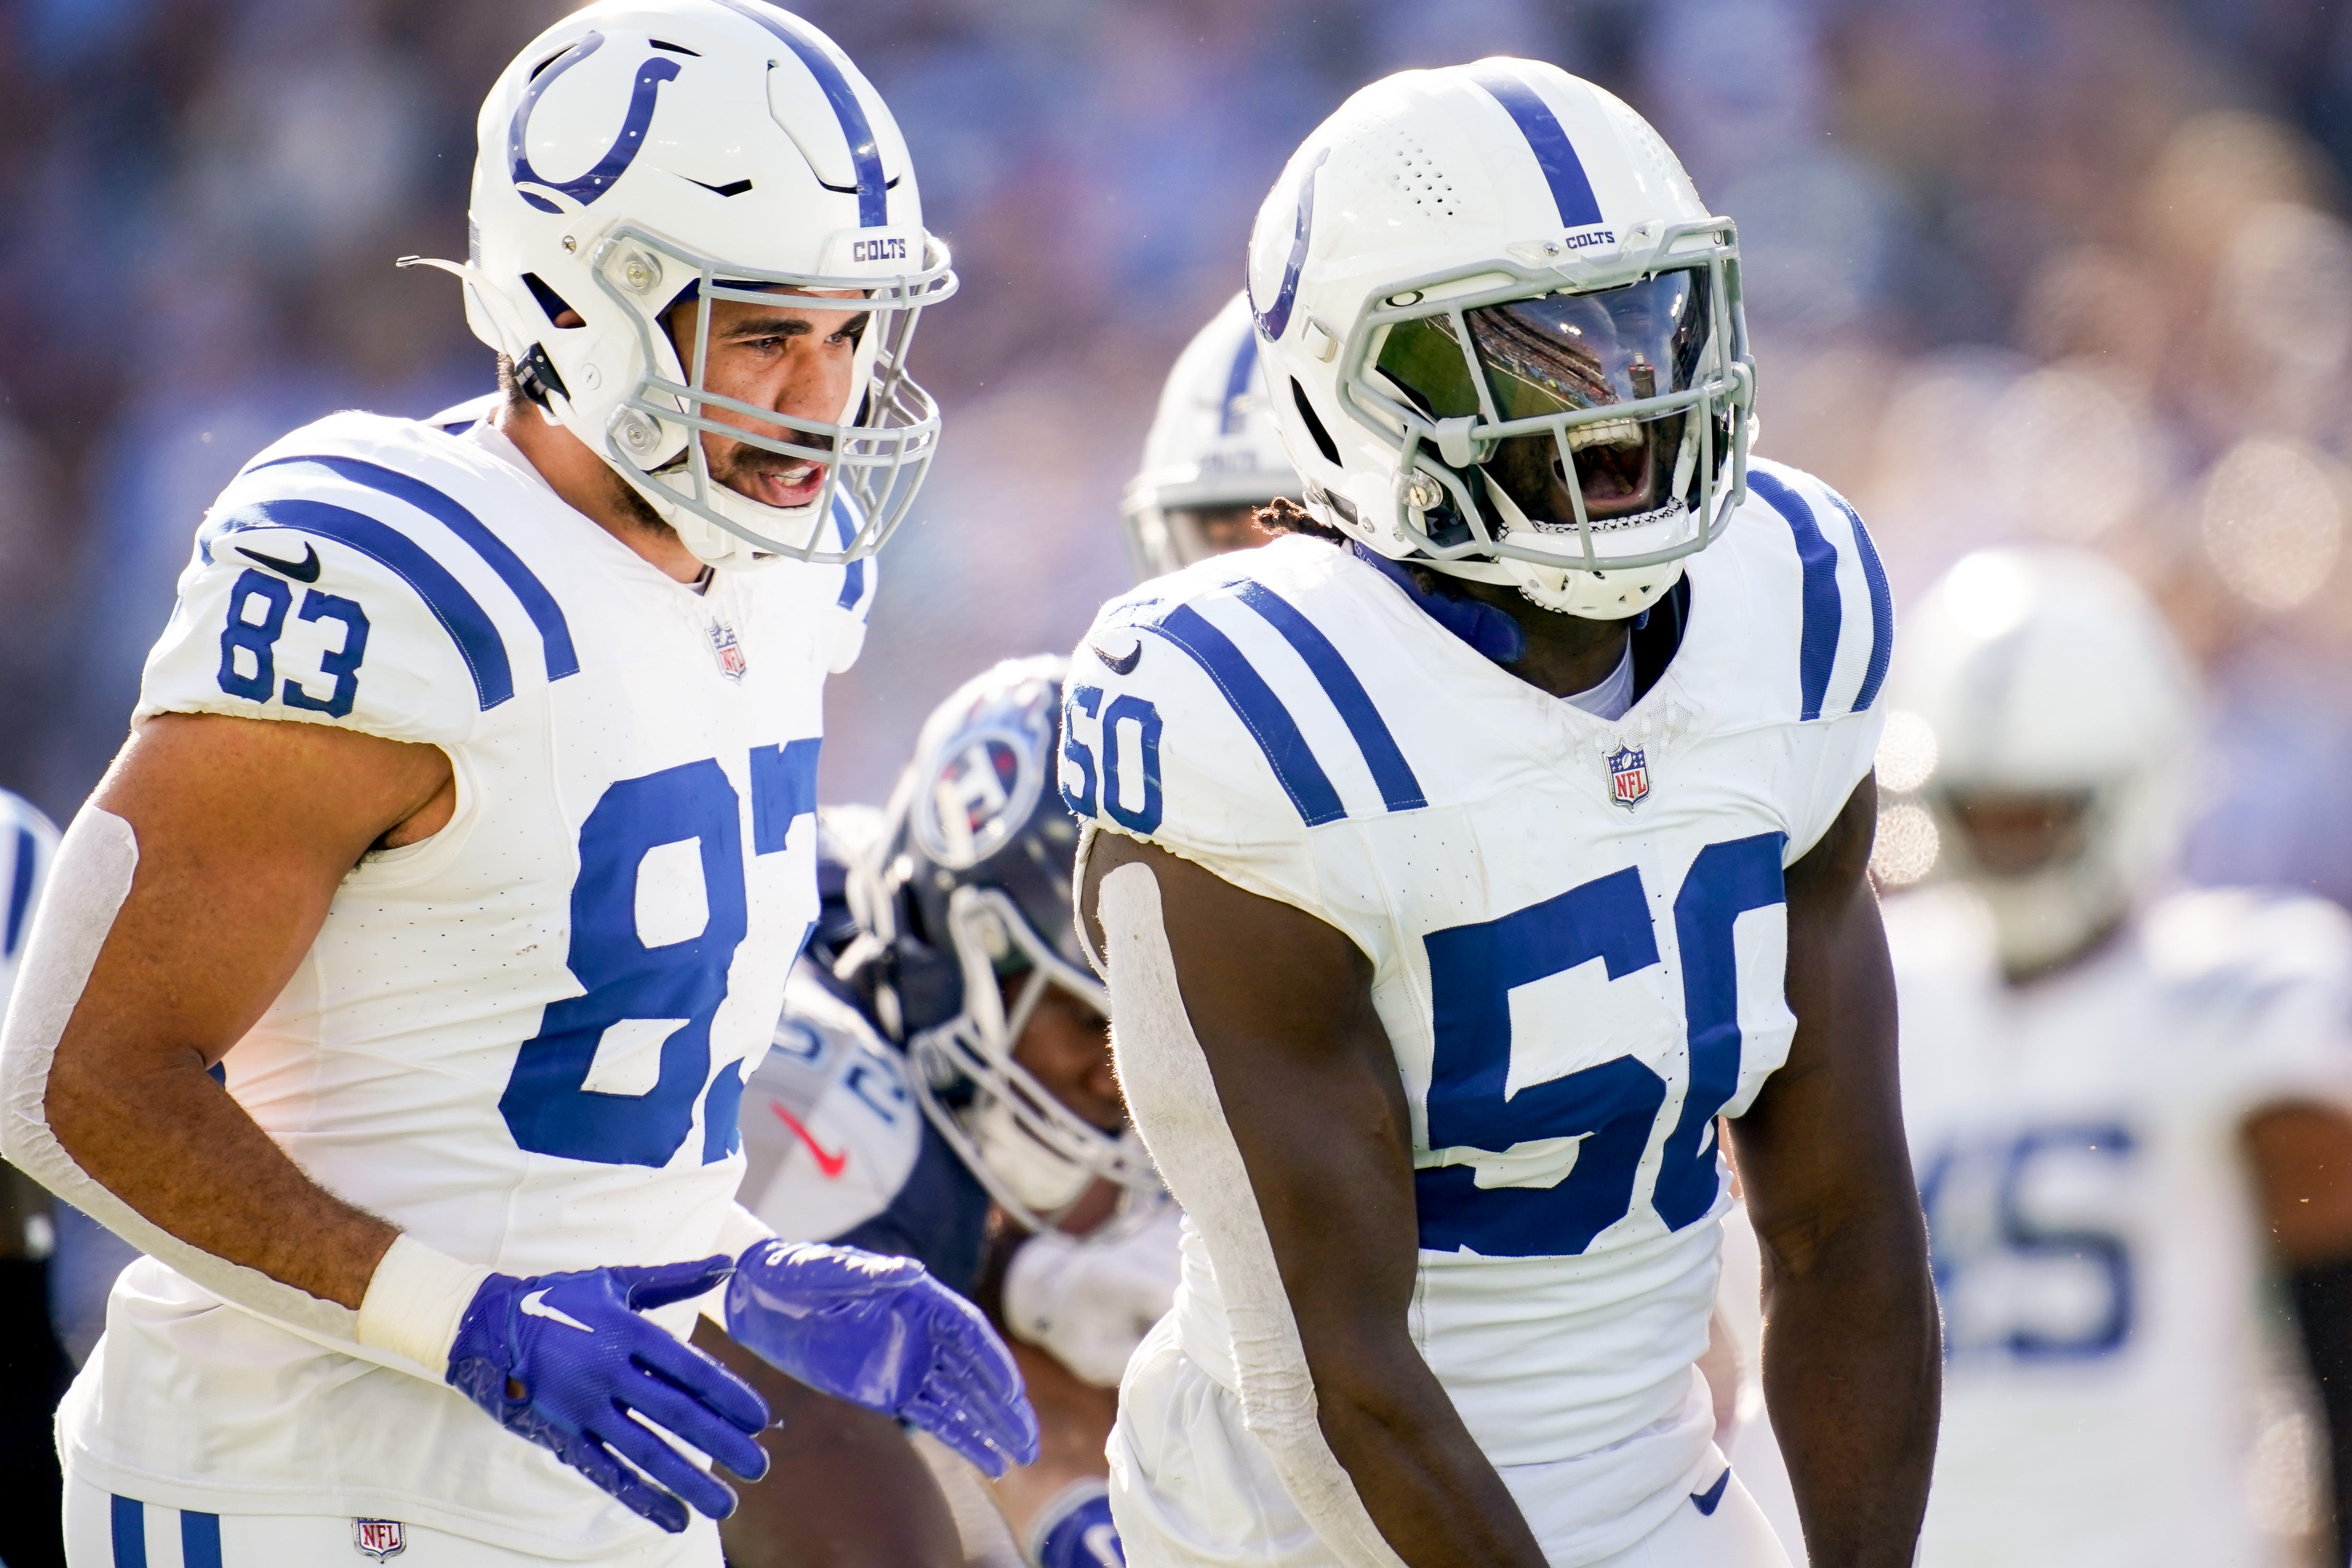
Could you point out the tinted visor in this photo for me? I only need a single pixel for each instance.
(1572, 353)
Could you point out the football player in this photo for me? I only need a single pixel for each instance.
(1213, 456)
(2125, 1109)
(944, 1048)
(395, 990)
(1455, 866)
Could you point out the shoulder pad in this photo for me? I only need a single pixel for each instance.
(1810, 551)
(2233, 946)
(347, 577)
(1234, 675)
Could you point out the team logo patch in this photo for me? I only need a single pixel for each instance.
(729, 652)
(977, 800)
(1629, 776)
(379, 1538)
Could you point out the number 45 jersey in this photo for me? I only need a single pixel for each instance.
(2098, 1246)
(1576, 927)
(524, 1038)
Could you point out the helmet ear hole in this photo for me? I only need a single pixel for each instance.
(553, 303)
(1323, 442)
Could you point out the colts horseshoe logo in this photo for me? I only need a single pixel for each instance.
(617, 157)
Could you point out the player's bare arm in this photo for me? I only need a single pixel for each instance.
(1851, 1356)
(244, 829)
(2301, 1156)
(1281, 1004)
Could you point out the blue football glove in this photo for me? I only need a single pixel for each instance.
(564, 1359)
(881, 1332)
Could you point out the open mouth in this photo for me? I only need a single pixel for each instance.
(785, 486)
(1614, 465)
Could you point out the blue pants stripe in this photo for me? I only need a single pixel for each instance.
(130, 1532)
(200, 1540)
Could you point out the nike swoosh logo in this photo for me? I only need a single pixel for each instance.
(1122, 666)
(303, 571)
(535, 1306)
(830, 1163)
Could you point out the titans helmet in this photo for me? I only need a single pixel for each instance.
(2047, 672)
(1503, 336)
(970, 905)
(1212, 448)
(642, 153)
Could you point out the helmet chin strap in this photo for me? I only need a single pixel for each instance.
(1564, 590)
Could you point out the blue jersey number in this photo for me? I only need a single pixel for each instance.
(2013, 1284)
(1613, 1107)
(1130, 729)
(248, 645)
(547, 1104)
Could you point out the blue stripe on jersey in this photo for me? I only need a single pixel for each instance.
(1237, 381)
(459, 613)
(1571, 188)
(873, 193)
(1882, 609)
(783, 789)
(199, 1540)
(126, 1525)
(1254, 701)
(853, 576)
(1823, 610)
(1399, 791)
(20, 888)
(555, 631)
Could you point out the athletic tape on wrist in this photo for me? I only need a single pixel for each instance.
(413, 1302)
(1173, 1099)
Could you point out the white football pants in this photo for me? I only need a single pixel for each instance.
(103, 1530)
(1212, 1500)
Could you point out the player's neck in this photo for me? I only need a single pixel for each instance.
(591, 488)
(1565, 654)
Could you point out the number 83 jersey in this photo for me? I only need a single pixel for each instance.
(524, 1038)
(1576, 929)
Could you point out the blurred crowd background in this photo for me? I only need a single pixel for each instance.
(2064, 269)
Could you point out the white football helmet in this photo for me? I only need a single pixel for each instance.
(1503, 335)
(640, 154)
(2047, 672)
(1212, 445)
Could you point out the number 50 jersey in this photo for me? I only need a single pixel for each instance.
(524, 1038)
(1576, 927)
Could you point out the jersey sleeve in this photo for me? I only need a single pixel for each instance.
(1845, 627)
(2272, 977)
(297, 606)
(1169, 736)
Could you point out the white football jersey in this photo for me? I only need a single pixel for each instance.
(1577, 930)
(2098, 1251)
(524, 1039)
(831, 1129)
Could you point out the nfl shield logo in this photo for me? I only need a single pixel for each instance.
(730, 651)
(379, 1538)
(1629, 776)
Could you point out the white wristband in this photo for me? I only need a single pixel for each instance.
(413, 1302)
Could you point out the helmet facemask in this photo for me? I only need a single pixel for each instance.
(1036, 1156)
(878, 446)
(1586, 418)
